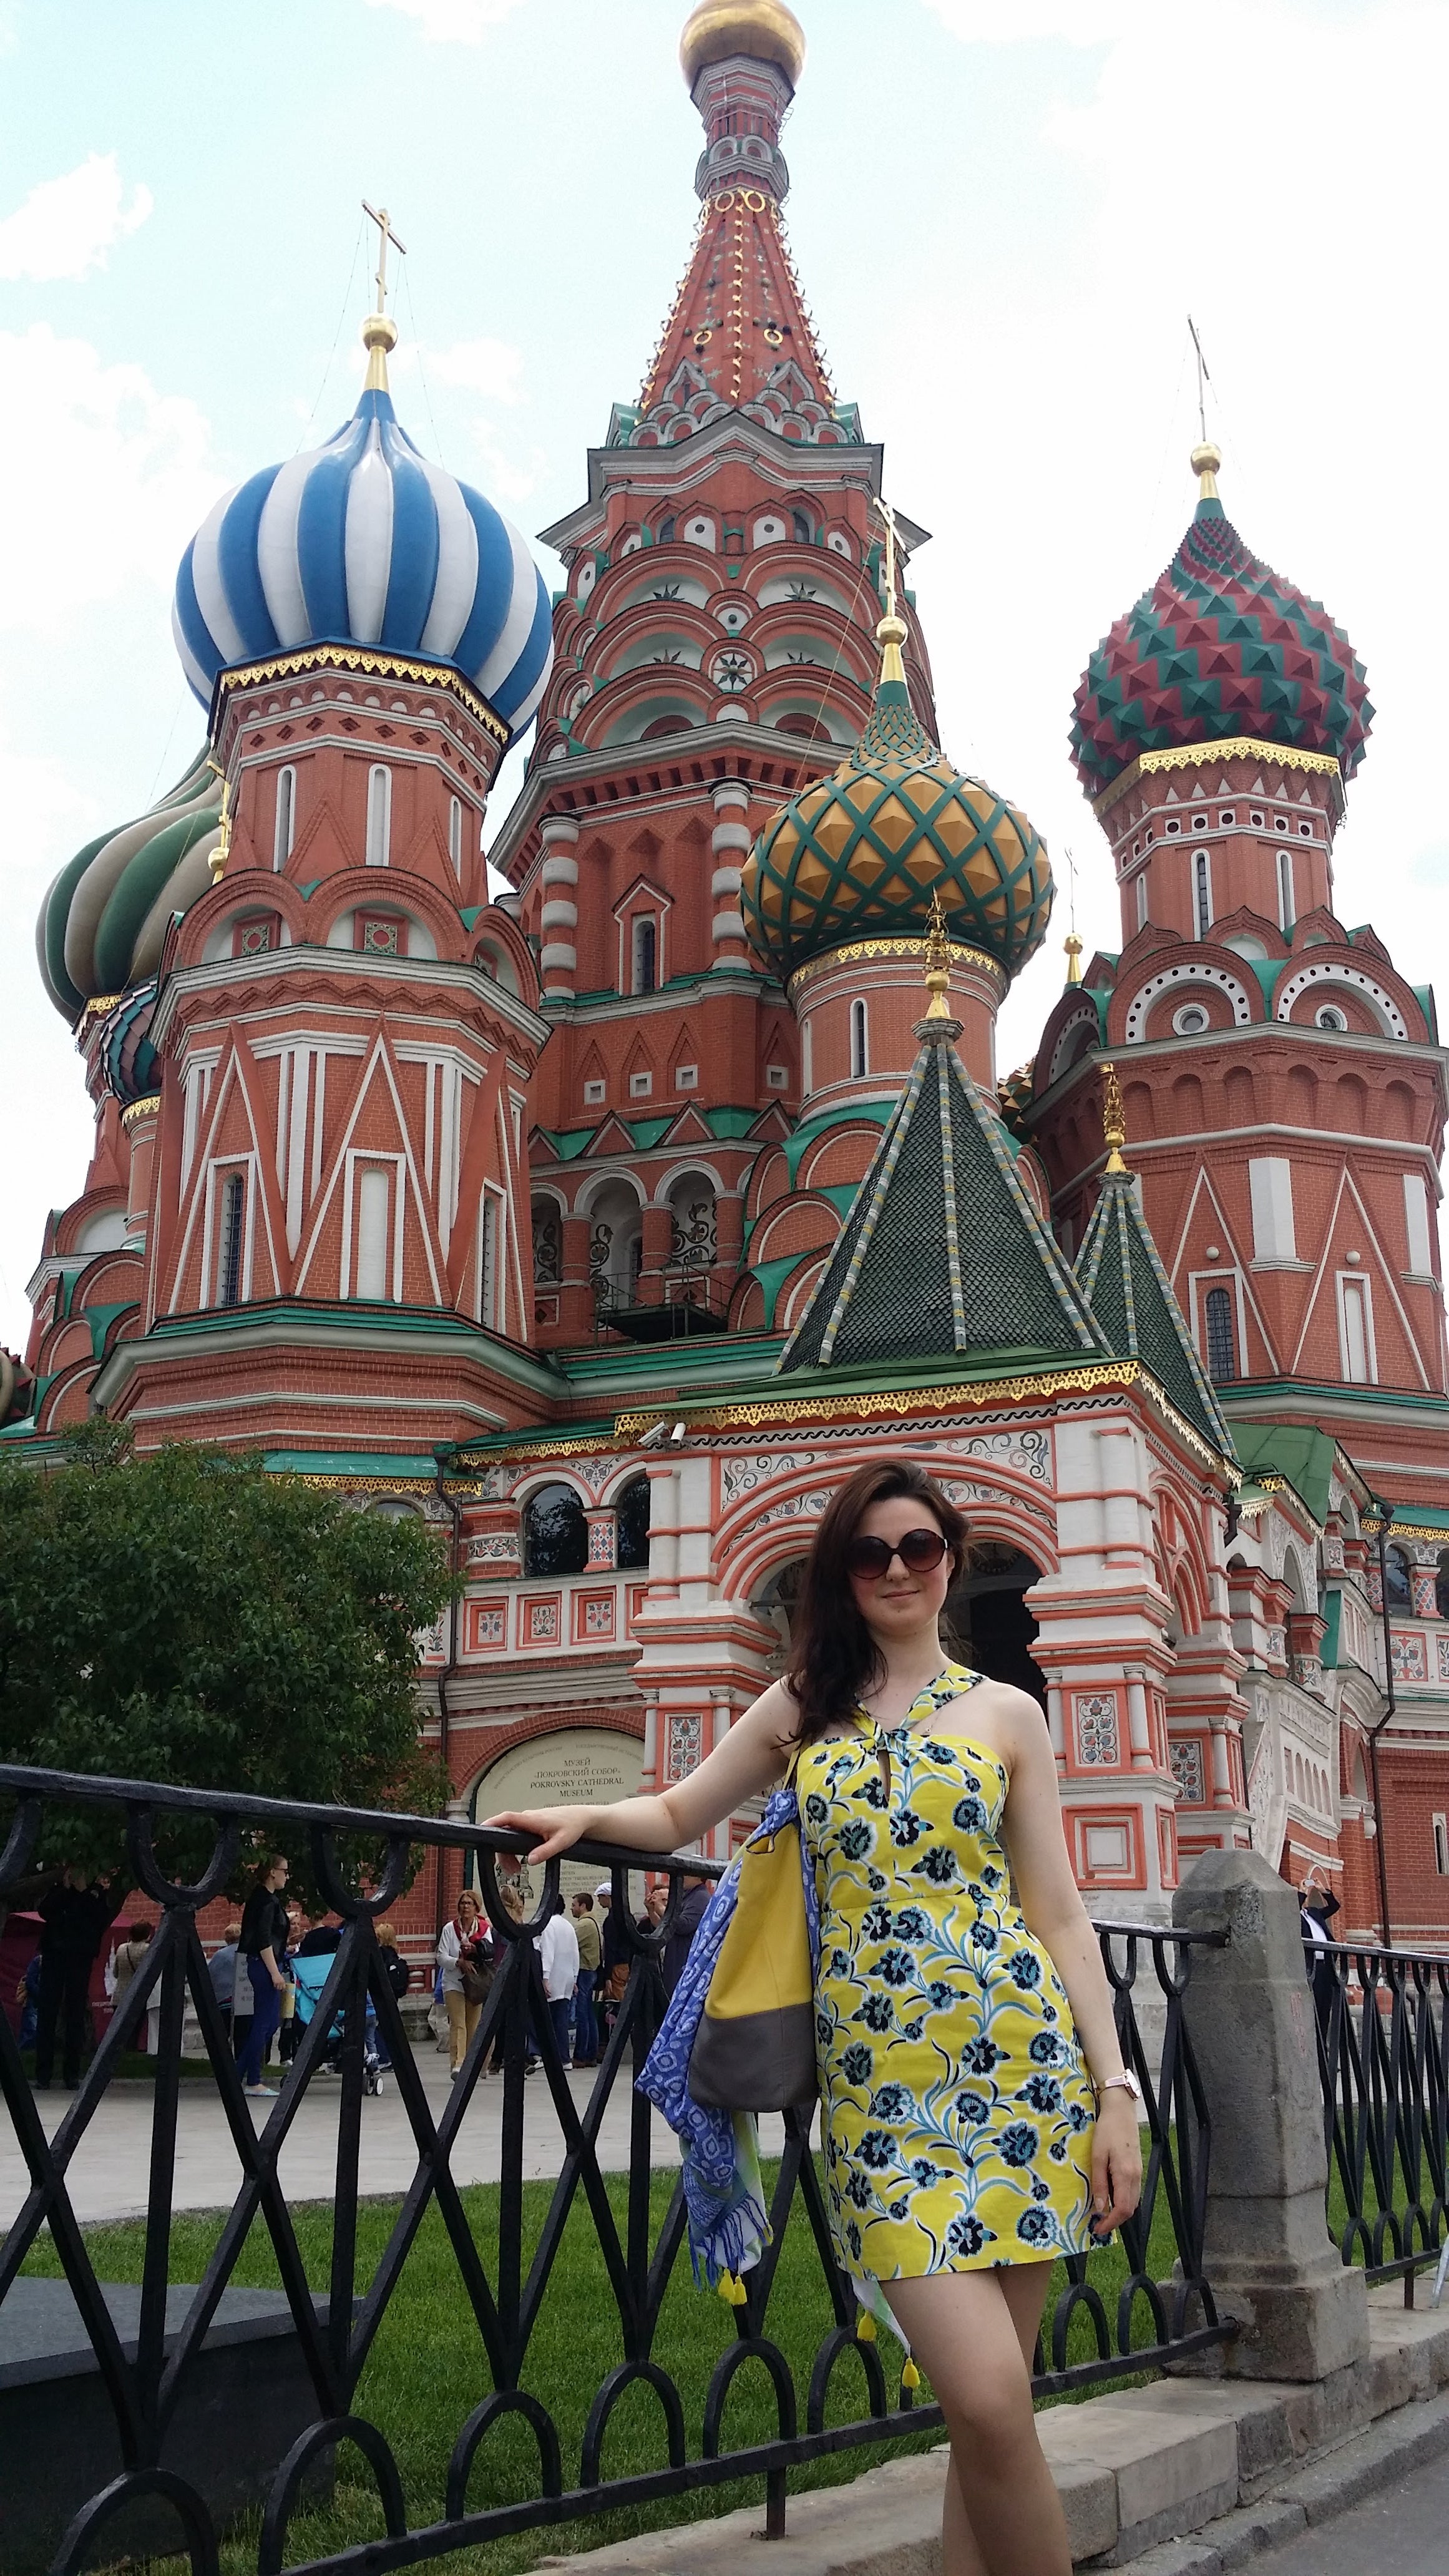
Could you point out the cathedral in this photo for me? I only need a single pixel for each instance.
(607, 1205)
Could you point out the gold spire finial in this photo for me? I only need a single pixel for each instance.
(222, 852)
(1114, 1126)
(938, 961)
(1073, 947)
(890, 633)
(1205, 461)
(379, 331)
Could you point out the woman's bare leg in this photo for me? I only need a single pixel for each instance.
(973, 2334)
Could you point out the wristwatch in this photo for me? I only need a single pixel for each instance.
(1123, 2083)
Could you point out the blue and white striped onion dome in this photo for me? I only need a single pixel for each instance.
(105, 918)
(365, 541)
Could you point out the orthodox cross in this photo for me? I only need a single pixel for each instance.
(1203, 379)
(889, 516)
(385, 234)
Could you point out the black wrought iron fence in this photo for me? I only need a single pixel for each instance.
(1383, 2059)
(1134, 2306)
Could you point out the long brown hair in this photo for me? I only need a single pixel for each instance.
(833, 1656)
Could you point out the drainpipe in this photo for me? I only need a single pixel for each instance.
(1385, 1516)
(454, 1510)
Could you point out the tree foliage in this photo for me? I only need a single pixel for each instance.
(190, 1618)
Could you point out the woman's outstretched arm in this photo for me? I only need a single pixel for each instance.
(751, 1758)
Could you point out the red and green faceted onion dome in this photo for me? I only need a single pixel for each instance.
(861, 853)
(1220, 647)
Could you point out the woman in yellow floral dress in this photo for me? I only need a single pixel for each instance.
(976, 2116)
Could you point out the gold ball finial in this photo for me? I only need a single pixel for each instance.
(1205, 460)
(763, 30)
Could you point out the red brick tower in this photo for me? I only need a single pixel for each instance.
(1285, 1099)
(714, 652)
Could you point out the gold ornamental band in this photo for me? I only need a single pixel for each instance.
(909, 950)
(384, 666)
(140, 1109)
(1196, 755)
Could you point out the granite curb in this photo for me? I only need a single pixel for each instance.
(1190, 2476)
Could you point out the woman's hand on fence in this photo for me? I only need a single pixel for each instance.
(551, 1829)
(1116, 2162)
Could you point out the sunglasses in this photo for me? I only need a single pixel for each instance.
(920, 1552)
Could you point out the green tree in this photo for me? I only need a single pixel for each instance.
(189, 1618)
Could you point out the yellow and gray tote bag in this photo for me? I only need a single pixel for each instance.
(754, 2049)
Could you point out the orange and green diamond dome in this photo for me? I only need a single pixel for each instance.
(861, 853)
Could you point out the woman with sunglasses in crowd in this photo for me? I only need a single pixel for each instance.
(977, 2118)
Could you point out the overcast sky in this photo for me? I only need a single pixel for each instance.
(1002, 211)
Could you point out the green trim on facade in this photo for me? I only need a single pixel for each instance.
(1294, 1451)
(1333, 1615)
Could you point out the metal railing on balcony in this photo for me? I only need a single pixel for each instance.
(1134, 2306)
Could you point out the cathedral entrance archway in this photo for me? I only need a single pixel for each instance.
(987, 1623)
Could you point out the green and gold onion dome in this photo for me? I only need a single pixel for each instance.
(860, 854)
(105, 918)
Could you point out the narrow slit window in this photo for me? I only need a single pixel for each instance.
(286, 817)
(1142, 900)
(859, 1041)
(1222, 1357)
(379, 817)
(1204, 896)
(233, 1232)
(455, 834)
(1286, 915)
(373, 1197)
(1441, 1847)
(1355, 1336)
(646, 953)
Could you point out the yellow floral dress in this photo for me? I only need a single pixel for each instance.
(957, 2114)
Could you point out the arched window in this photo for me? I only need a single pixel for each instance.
(1286, 914)
(633, 1511)
(859, 1041)
(646, 952)
(379, 817)
(807, 1058)
(1398, 1590)
(800, 529)
(1204, 896)
(1142, 899)
(285, 822)
(1218, 1323)
(455, 834)
(555, 1532)
(664, 534)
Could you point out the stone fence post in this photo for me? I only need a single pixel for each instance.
(1249, 2015)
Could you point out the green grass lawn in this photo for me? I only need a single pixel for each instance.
(427, 2368)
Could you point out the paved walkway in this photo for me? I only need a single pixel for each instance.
(110, 2169)
(1402, 2532)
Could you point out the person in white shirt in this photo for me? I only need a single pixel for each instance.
(558, 1948)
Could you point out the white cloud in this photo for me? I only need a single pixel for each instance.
(66, 226)
(117, 476)
(452, 22)
(488, 367)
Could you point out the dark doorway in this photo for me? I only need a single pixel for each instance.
(992, 1628)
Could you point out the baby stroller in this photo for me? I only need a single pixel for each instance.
(310, 1976)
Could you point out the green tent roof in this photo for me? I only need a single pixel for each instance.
(942, 1252)
(1293, 1450)
(1123, 1277)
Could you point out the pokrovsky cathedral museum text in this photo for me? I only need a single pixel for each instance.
(609, 1224)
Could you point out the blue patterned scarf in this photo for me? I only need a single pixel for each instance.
(724, 2198)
